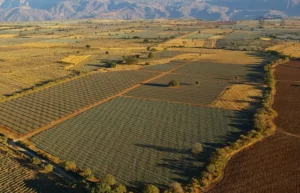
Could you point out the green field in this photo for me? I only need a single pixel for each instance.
(141, 141)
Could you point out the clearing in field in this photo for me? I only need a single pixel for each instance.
(142, 141)
(239, 97)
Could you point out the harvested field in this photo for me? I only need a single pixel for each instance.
(291, 49)
(74, 59)
(34, 110)
(269, 166)
(239, 97)
(205, 92)
(162, 67)
(142, 141)
(288, 71)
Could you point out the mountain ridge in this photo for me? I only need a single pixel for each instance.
(31, 10)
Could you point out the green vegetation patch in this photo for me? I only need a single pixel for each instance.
(141, 141)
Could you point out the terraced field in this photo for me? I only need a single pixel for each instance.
(32, 111)
(142, 141)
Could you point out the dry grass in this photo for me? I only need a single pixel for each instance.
(74, 60)
(288, 48)
(239, 97)
(8, 35)
(265, 39)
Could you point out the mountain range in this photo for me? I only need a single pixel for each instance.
(30, 10)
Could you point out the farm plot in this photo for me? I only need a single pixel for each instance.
(13, 175)
(288, 71)
(231, 71)
(167, 54)
(240, 96)
(142, 141)
(34, 110)
(206, 91)
(162, 67)
(269, 166)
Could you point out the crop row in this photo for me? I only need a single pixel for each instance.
(204, 92)
(140, 140)
(29, 112)
(13, 175)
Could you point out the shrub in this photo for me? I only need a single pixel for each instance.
(175, 187)
(151, 189)
(147, 63)
(70, 166)
(110, 64)
(148, 48)
(48, 168)
(107, 52)
(120, 189)
(109, 180)
(197, 148)
(146, 41)
(154, 50)
(36, 161)
(197, 83)
(88, 46)
(150, 55)
(173, 83)
(86, 173)
(130, 60)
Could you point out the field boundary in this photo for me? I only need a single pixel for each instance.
(61, 120)
(263, 128)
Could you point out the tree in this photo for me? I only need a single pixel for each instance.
(120, 189)
(36, 161)
(173, 83)
(107, 52)
(88, 46)
(148, 48)
(146, 41)
(111, 64)
(175, 187)
(197, 148)
(70, 166)
(130, 59)
(109, 180)
(150, 55)
(48, 168)
(151, 189)
(86, 173)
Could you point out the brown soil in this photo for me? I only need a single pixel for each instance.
(273, 165)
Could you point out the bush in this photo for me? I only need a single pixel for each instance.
(154, 50)
(147, 63)
(48, 168)
(150, 55)
(197, 148)
(108, 180)
(107, 52)
(86, 173)
(88, 46)
(173, 83)
(36, 161)
(120, 189)
(175, 187)
(110, 64)
(146, 41)
(130, 60)
(70, 166)
(151, 189)
(197, 83)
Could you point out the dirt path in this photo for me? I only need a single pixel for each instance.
(56, 122)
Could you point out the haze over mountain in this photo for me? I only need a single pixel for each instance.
(28, 10)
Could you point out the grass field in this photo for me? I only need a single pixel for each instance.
(158, 139)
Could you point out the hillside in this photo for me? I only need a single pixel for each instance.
(29, 10)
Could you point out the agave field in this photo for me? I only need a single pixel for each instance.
(34, 110)
(13, 175)
(142, 141)
(204, 92)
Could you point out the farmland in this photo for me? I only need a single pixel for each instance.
(275, 166)
(173, 84)
(157, 142)
(40, 108)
